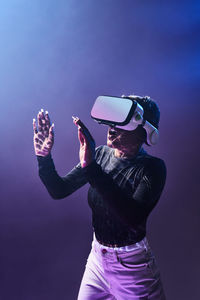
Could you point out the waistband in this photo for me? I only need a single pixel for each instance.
(141, 244)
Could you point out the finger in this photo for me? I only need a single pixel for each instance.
(46, 132)
(46, 123)
(85, 131)
(43, 117)
(49, 143)
(47, 119)
(51, 133)
(74, 119)
(41, 120)
(80, 133)
(34, 127)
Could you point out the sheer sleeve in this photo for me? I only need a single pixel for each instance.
(57, 186)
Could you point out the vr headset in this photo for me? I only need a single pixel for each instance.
(123, 113)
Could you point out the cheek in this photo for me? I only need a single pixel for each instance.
(127, 140)
(124, 138)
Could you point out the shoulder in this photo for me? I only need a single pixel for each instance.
(153, 161)
(153, 165)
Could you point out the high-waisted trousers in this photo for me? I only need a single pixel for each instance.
(125, 273)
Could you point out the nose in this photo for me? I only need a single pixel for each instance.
(112, 129)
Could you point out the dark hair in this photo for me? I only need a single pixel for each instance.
(151, 110)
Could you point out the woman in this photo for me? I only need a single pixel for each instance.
(125, 185)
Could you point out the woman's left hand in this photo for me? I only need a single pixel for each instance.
(87, 143)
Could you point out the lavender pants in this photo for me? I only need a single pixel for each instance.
(125, 273)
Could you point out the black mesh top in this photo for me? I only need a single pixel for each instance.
(122, 192)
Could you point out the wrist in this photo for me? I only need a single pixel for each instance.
(42, 157)
(42, 153)
(85, 164)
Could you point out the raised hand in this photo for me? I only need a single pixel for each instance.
(43, 138)
(87, 143)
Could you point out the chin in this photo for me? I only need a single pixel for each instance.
(111, 144)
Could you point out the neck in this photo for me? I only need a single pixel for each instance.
(127, 153)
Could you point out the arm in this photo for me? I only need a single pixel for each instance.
(132, 210)
(57, 186)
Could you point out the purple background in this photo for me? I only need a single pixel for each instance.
(60, 55)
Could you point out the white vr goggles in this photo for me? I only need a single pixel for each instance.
(124, 113)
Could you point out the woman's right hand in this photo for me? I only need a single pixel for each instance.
(43, 138)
